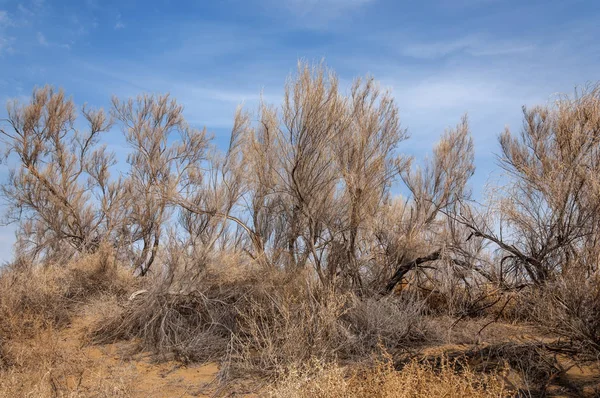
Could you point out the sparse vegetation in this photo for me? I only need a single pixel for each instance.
(290, 258)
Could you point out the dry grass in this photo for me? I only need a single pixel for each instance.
(35, 304)
(316, 379)
(391, 322)
(533, 365)
(271, 327)
(48, 365)
(34, 298)
(279, 327)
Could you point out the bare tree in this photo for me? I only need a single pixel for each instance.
(436, 190)
(208, 200)
(549, 216)
(313, 112)
(367, 162)
(60, 190)
(308, 185)
(264, 198)
(166, 152)
(289, 172)
(318, 174)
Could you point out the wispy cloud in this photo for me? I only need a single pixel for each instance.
(318, 13)
(331, 8)
(5, 19)
(5, 45)
(5, 40)
(207, 103)
(472, 45)
(42, 39)
(44, 42)
(450, 93)
(119, 24)
(33, 8)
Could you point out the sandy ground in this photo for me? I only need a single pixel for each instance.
(60, 363)
(138, 375)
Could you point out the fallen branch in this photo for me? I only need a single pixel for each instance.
(404, 268)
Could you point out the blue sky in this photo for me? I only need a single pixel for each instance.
(440, 58)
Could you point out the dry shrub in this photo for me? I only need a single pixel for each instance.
(449, 295)
(569, 307)
(282, 326)
(448, 379)
(192, 326)
(35, 302)
(30, 299)
(287, 325)
(392, 322)
(38, 297)
(196, 323)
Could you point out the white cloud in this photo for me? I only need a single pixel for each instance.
(42, 39)
(119, 24)
(472, 45)
(331, 7)
(35, 7)
(5, 19)
(318, 13)
(5, 44)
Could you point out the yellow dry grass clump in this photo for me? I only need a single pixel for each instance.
(415, 380)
